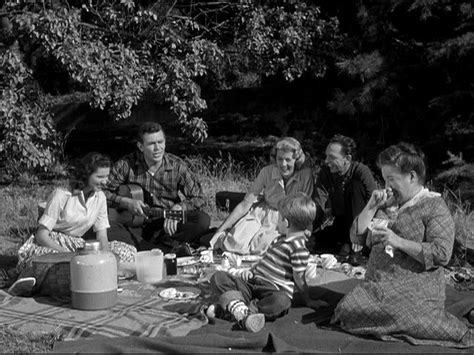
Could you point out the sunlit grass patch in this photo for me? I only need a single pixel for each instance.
(14, 341)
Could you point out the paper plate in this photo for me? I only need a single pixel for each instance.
(187, 260)
(180, 293)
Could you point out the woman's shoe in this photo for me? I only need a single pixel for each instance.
(22, 287)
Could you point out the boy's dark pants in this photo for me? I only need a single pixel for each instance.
(255, 293)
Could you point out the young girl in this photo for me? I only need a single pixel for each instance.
(68, 215)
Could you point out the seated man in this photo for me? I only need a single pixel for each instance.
(342, 189)
(162, 177)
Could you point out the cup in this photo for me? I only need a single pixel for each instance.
(328, 261)
(311, 271)
(149, 265)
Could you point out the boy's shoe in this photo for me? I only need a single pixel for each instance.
(214, 311)
(254, 322)
(22, 287)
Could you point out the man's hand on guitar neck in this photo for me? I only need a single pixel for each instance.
(134, 206)
(171, 225)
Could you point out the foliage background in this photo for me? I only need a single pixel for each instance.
(377, 71)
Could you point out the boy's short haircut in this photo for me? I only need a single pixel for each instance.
(299, 209)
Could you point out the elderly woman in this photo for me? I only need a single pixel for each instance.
(255, 222)
(411, 237)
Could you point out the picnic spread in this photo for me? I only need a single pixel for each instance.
(166, 316)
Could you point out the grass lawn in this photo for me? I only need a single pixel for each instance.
(19, 214)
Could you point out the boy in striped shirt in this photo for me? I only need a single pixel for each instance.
(264, 292)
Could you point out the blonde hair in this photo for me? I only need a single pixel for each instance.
(289, 144)
(299, 209)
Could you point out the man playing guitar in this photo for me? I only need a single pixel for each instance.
(171, 192)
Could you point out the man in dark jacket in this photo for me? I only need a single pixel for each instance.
(342, 189)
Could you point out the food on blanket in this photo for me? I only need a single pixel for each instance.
(234, 259)
(207, 256)
(187, 260)
(328, 261)
(176, 294)
(225, 263)
(389, 250)
(358, 272)
(311, 271)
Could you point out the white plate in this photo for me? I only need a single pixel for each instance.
(180, 293)
(187, 260)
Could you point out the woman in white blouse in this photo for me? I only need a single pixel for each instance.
(69, 214)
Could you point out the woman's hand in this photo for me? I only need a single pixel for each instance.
(42, 238)
(215, 238)
(380, 198)
(387, 237)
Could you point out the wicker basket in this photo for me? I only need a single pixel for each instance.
(52, 273)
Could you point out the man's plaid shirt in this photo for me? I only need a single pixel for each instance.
(161, 189)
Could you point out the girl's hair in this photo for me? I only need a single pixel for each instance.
(86, 167)
(289, 144)
(299, 209)
(406, 157)
(348, 145)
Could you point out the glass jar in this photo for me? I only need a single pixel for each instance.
(93, 278)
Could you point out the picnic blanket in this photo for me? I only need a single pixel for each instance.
(301, 330)
(140, 312)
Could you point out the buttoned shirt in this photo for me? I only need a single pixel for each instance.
(71, 214)
(270, 183)
(161, 188)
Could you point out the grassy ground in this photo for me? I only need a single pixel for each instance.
(19, 214)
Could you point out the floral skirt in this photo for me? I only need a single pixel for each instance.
(30, 249)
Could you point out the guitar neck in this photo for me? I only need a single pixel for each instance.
(158, 212)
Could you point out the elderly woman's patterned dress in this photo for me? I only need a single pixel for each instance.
(402, 299)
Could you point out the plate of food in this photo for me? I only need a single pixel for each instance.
(180, 293)
(187, 261)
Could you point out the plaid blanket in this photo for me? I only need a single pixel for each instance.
(140, 311)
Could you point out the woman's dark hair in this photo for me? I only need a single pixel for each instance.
(147, 128)
(86, 167)
(406, 157)
(348, 145)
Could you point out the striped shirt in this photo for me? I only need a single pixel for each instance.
(162, 188)
(285, 256)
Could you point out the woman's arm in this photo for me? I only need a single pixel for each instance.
(101, 236)
(378, 199)
(43, 239)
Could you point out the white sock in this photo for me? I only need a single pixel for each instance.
(238, 309)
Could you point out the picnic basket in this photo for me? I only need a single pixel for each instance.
(52, 273)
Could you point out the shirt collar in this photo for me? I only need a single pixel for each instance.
(291, 237)
(275, 175)
(142, 165)
(81, 197)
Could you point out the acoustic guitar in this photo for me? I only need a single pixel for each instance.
(125, 217)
